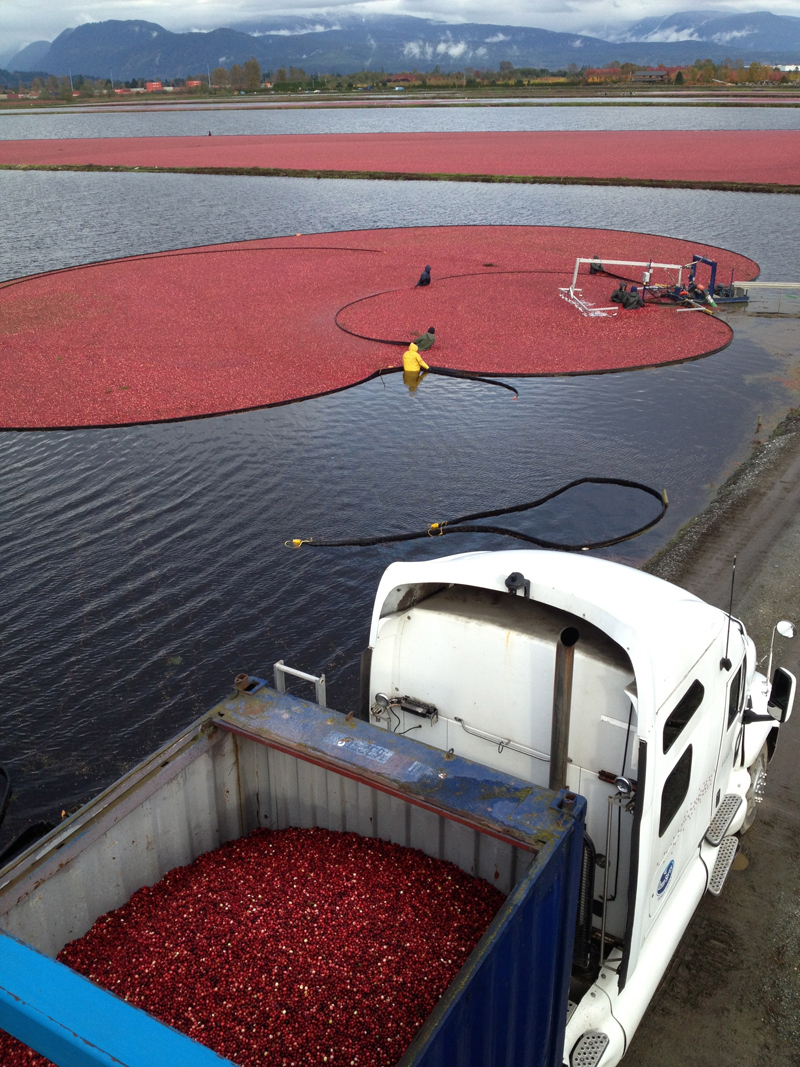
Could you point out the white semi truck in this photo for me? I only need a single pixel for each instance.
(592, 740)
(571, 671)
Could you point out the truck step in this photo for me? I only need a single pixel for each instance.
(724, 816)
(589, 1049)
(725, 857)
(759, 787)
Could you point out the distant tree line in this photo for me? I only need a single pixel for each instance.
(239, 79)
(249, 78)
(701, 72)
(734, 71)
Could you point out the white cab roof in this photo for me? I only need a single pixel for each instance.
(663, 628)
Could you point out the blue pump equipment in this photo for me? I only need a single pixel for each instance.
(692, 291)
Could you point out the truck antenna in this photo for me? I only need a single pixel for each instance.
(725, 663)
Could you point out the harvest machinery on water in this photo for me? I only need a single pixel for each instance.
(673, 288)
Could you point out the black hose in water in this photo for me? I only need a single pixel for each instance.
(466, 375)
(464, 524)
(446, 372)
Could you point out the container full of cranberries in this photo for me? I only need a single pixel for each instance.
(298, 902)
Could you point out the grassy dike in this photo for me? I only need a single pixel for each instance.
(411, 176)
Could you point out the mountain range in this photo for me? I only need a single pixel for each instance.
(325, 44)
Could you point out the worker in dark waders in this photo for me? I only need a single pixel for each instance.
(424, 278)
(414, 368)
(628, 300)
(425, 340)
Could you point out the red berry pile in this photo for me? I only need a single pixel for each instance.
(302, 946)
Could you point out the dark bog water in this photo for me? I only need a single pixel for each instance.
(162, 122)
(144, 567)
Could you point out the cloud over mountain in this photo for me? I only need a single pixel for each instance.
(139, 49)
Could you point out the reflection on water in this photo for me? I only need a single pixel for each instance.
(163, 122)
(144, 567)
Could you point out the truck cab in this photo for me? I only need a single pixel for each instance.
(667, 728)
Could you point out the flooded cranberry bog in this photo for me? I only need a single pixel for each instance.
(287, 882)
(715, 158)
(85, 346)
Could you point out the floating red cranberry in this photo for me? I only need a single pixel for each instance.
(85, 345)
(307, 946)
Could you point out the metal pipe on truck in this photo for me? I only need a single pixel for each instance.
(562, 703)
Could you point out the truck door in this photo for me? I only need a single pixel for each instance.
(685, 765)
(731, 701)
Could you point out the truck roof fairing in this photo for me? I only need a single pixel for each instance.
(664, 629)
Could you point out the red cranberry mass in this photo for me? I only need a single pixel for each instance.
(306, 946)
(86, 344)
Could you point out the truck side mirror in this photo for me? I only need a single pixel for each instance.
(781, 697)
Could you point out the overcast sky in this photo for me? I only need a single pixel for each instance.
(23, 21)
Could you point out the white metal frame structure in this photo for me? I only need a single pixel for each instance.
(575, 297)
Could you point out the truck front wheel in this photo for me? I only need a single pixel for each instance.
(758, 777)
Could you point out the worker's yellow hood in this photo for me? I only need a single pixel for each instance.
(412, 360)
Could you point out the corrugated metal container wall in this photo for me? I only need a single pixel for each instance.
(504, 1008)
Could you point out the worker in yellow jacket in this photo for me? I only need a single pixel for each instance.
(413, 364)
(412, 360)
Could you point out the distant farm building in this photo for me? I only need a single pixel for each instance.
(612, 74)
(649, 76)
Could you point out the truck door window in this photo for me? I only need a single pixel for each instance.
(735, 696)
(675, 789)
(686, 707)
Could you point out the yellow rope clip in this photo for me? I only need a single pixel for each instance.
(296, 542)
(436, 529)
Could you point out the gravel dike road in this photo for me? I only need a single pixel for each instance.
(732, 995)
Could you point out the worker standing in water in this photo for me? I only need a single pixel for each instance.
(413, 367)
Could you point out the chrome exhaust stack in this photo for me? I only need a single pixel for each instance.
(562, 704)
